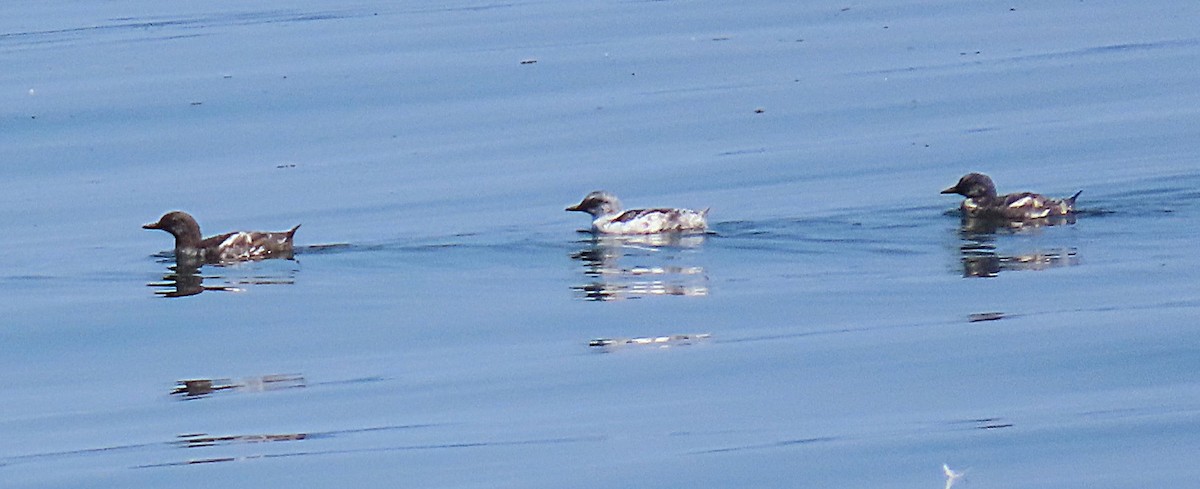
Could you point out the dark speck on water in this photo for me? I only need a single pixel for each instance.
(986, 316)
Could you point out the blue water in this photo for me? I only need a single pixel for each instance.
(433, 328)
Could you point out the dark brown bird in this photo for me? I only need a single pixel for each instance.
(982, 202)
(222, 248)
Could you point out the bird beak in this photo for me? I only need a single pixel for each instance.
(574, 208)
(153, 225)
(951, 190)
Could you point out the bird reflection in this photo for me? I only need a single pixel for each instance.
(661, 274)
(981, 262)
(980, 257)
(185, 279)
(975, 226)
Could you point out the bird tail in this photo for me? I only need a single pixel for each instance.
(1067, 205)
(292, 232)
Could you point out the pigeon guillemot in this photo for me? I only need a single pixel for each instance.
(608, 218)
(982, 202)
(228, 247)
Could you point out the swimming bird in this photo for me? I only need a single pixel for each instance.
(222, 248)
(981, 201)
(609, 218)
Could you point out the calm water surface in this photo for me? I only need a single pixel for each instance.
(846, 329)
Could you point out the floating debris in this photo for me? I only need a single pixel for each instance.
(198, 440)
(208, 460)
(951, 475)
(985, 316)
(609, 344)
(198, 387)
(528, 61)
(204, 387)
(983, 423)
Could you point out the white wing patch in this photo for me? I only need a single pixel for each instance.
(236, 247)
(236, 240)
(1025, 201)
